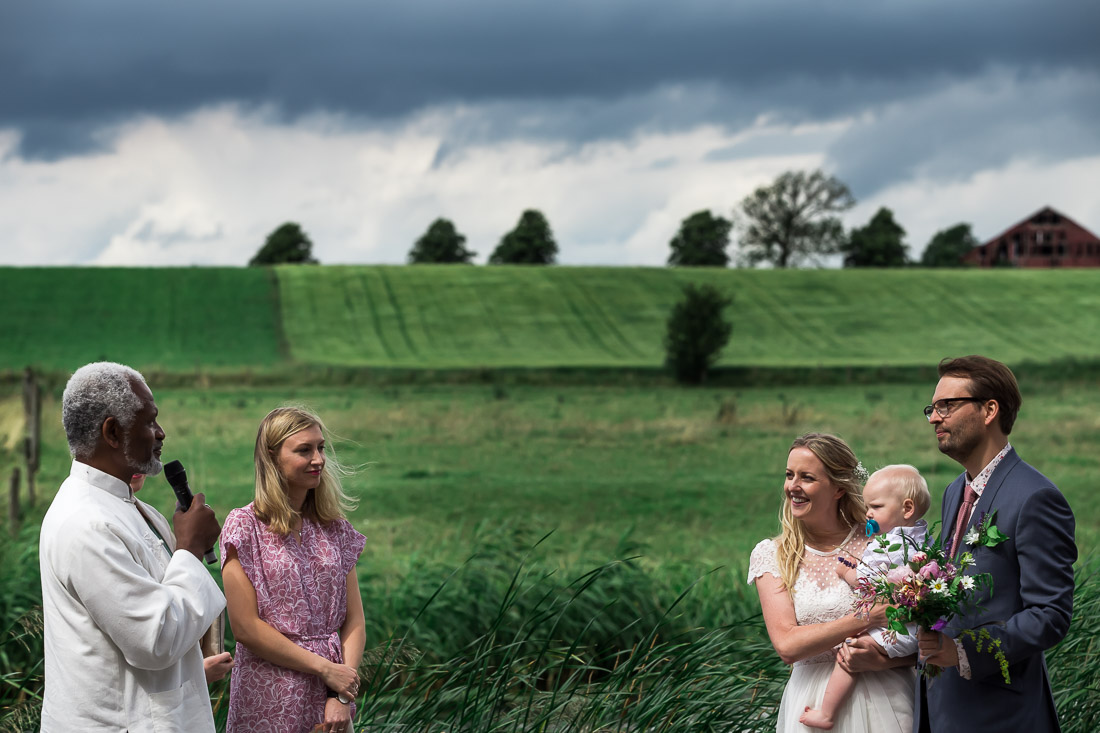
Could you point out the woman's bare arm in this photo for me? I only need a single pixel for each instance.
(794, 642)
(265, 641)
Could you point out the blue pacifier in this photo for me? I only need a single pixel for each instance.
(872, 528)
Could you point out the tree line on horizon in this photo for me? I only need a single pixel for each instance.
(790, 222)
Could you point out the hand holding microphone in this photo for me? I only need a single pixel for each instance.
(194, 522)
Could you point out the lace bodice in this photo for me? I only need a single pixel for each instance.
(819, 594)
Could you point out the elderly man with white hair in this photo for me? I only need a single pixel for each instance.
(125, 602)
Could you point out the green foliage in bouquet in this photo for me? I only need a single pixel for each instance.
(930, 587)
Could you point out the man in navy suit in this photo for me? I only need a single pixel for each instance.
(1031, 602)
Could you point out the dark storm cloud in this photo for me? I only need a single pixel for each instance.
(972, 126)
(70, 67)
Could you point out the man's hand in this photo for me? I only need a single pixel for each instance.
(862, 654)
(937, 648)
(196, 529)
(217, 666)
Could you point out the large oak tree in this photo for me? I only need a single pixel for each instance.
(794, 220)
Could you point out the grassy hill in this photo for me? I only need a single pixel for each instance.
(439, 317)
(447, 316)
(171, 318)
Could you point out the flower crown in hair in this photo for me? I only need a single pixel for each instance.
(860, 472)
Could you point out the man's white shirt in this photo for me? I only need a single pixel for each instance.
(123, 617)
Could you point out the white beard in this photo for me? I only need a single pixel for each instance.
(151, 467)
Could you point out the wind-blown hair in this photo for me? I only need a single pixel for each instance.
(323, 504)
(843, 470)
(95, 392)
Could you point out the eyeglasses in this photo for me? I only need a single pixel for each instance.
(943, 407)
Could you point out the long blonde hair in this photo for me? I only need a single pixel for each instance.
(323, 504)
(843, 469)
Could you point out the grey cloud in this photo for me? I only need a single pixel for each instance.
(73, 66)
(980, 124)
(778, 142)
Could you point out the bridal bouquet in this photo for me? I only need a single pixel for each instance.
(930, 586)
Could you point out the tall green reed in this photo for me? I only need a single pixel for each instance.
(1075, 663)
(613, 649)
(20, 629)
(512, 642)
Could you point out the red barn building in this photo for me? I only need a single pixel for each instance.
(1044, 239)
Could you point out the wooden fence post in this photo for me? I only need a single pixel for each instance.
(32, 409)
(13, 502)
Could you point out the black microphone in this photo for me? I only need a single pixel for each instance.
(177, 479)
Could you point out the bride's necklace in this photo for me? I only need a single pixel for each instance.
(835, 550)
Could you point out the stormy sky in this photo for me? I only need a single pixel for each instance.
(137, 133)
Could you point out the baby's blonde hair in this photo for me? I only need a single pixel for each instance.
(907, 483)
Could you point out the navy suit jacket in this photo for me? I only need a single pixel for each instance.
(1029, 610)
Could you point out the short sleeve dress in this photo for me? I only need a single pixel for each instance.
(301, 591)
(882, 702)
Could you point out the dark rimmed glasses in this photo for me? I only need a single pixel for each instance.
(943, 407)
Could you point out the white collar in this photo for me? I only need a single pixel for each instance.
(100, 480)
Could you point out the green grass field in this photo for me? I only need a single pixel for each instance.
(694, 475)
(458, 482)
(181, 320)
(464, 478)
(174, 318)
(440, 316)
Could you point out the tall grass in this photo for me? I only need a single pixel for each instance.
(617, 648)
(510, 642)
(1075, 663)
(507, 644)
(21, 662)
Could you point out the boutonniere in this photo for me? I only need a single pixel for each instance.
(986, 533)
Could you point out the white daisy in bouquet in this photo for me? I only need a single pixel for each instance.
(930, 587)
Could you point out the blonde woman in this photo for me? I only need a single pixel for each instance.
(807, 606)
(288, 566)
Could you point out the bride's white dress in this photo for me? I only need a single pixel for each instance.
(881, 702)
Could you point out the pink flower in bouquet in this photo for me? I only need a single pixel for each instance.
(931, 570)
(899, 574)
(919, 558)
(911, 591)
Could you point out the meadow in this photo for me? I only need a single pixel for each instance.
(259, 322)
(491, 510)
(557, 535)
(693, 475)
(163, 319)
(444, 316)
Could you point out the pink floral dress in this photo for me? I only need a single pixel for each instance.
(301, 591)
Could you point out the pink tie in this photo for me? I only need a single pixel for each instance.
(969, 498)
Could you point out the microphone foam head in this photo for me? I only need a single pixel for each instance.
(174, 470)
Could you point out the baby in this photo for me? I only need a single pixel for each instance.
(896, 498)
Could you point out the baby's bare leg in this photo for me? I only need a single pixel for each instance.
(836, 692)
